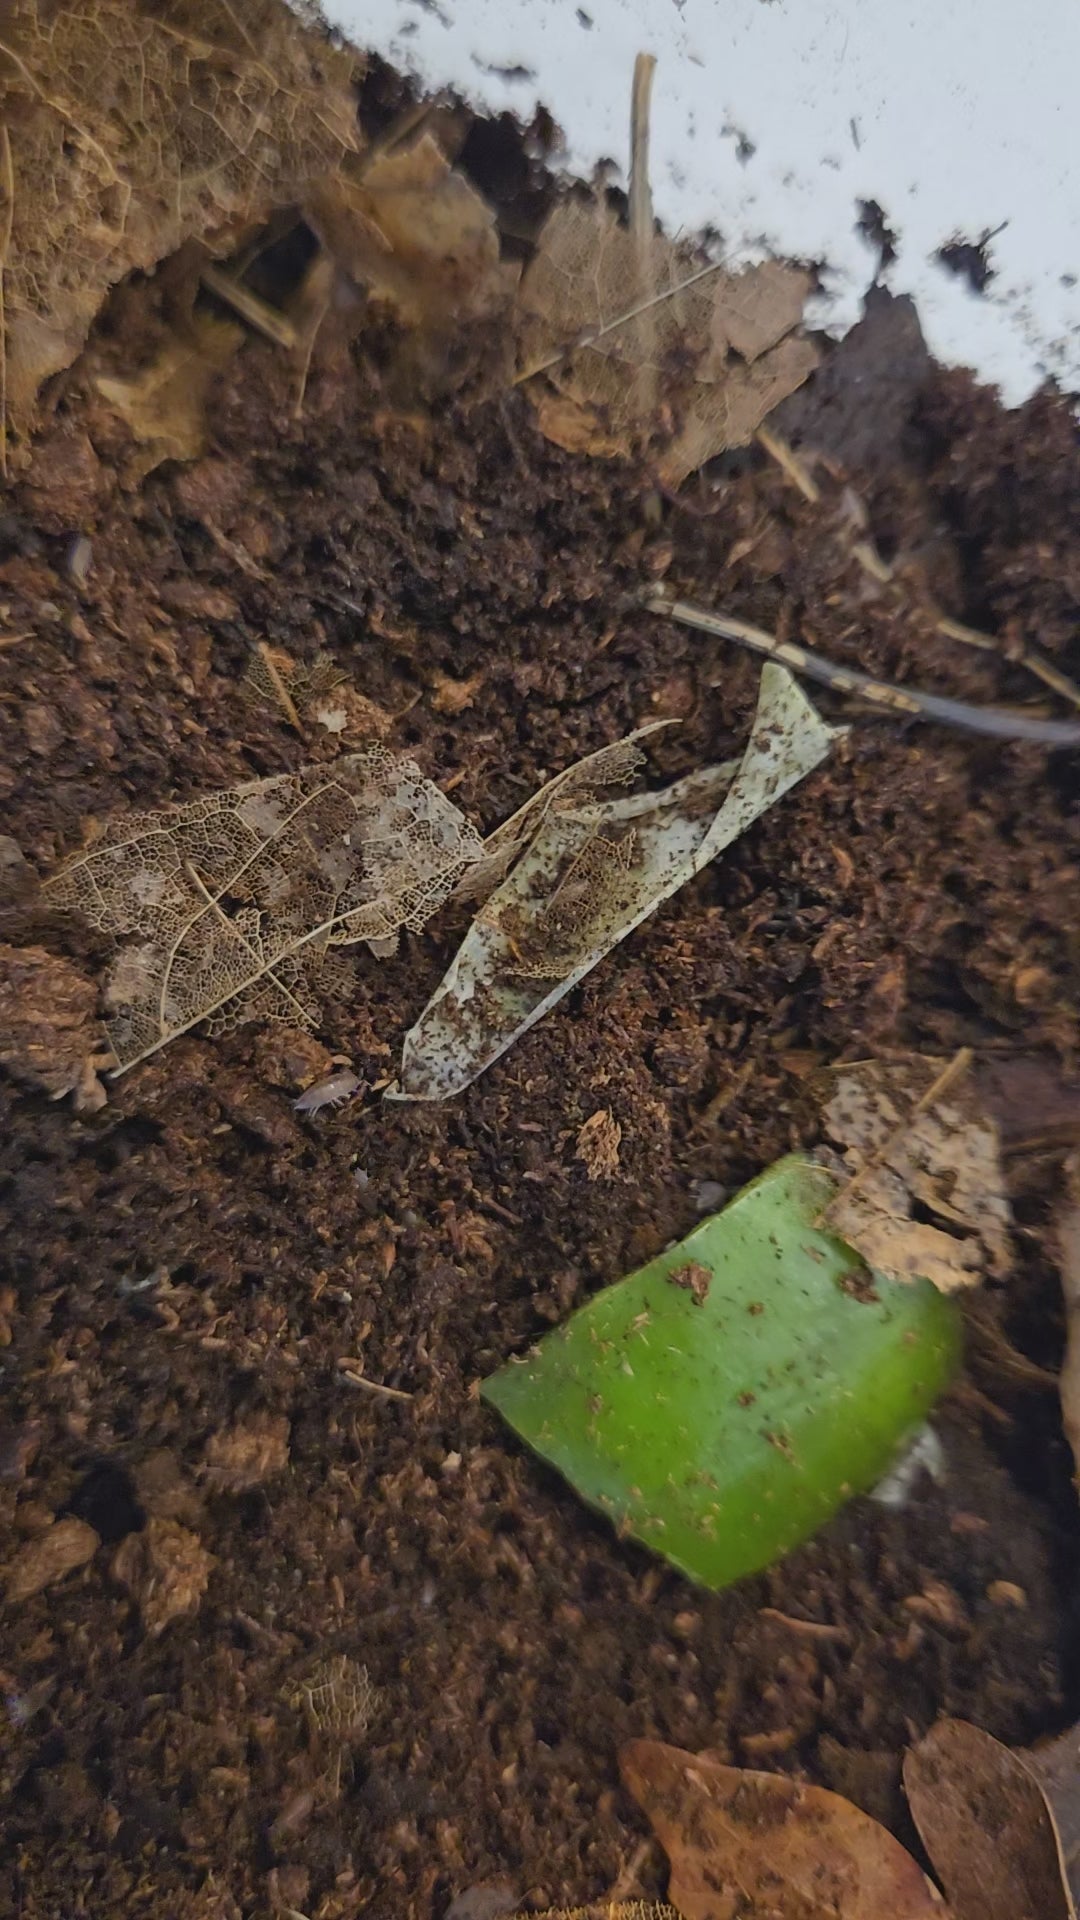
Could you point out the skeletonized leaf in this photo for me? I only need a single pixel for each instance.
(985, 1822)
(722, 351)
(226, 903)
(589, 877)
(944, 1160)
(757, 1846)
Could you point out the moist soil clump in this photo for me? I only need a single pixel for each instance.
(304, 1646)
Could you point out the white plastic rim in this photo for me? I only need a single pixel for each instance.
(772, 120)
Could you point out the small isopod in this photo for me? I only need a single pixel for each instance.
(334, 1091)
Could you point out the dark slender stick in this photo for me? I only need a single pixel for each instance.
(909, 701)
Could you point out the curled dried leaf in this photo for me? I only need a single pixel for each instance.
(986, 1823)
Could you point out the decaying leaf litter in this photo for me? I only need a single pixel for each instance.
(467, 1237)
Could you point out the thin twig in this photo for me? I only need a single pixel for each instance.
(7, 222)
(250, 306)
(813, 1629)
(641, 230)
(947, 1078)
(997, 722)
(612, 326)
(788, 461)
(871, 562)
(372, 1386)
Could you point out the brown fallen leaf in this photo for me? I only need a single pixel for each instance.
(1056, 1766)
(164, 405)
(411, 229)
(49, 1035)
(985, 1821)
(757, 1846)
(903, 1163)
(244, 1455)
(723, 347)
(166, 1569)
(66, 1545)
(1068, 1250)
(598, 1143)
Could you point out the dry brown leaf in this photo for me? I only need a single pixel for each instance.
(985, 1822)
(49, 1035)
(413, 231)
(1056, 1766)
(164, 405)
(944, 1160)
(131, 130)
(724, 350)
(598, 1144)
(244, 1455)
(757, 1846)
(67, 1544)
(166, 1569)
(1068, 1246)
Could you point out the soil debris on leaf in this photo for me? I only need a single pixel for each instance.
(724, 348)
(987, 1826)
(763, 1847)
(589, 876)
(904, 1160)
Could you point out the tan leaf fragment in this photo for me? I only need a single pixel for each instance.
(337, 1697)
(49, 1035)
(986, 1823)
(758, 1846)
(411, 229)
(164, 405)
(598, 1144)
(133, 129)
(945, 1160)
(67, 1544)
(1056, 1766)
(166, 1569)
(248, 1453)
(723, 348)
(315, 696)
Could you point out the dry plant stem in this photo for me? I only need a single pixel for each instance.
(257, 312)
(996, 722)
(285, 699)
(373, 1386)
(641, 226)
(621, 320)
(946, 1079)
(868, 558)
(1068, 1238)
(7, 217)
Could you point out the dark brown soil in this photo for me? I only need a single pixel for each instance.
(184, 1271)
